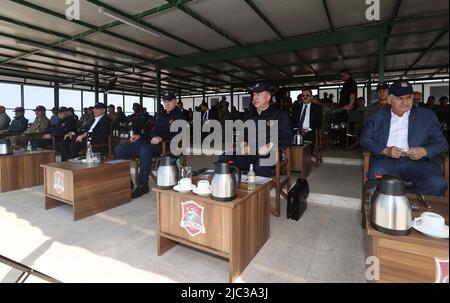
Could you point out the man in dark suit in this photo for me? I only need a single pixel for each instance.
(404, 141)
(71, 146)
(147, 145)
(264, 111)
(306, 116)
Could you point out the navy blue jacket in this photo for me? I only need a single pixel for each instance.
(65, 126)
(284, 126)
(423, 131)
(162, 125)
(315, 115)
(103, 128)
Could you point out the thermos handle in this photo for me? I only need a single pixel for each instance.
(238, 173)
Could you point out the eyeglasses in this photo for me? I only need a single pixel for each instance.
(306, 96)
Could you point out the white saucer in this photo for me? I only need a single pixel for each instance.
(176, 188)
(442, 233)
(200, 194)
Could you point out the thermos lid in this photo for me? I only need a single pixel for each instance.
(223, 167)
(392, 186)
(166, 161)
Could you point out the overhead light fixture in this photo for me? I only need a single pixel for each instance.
(126, 20)
(45, 47)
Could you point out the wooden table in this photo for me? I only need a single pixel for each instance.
(234, 230)
(89, 188)
(301, 159)
(408, 258)
(23, 169)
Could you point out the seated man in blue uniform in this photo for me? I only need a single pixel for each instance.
(146, 145)
(404, 140)
(71, 146)
(269, 113)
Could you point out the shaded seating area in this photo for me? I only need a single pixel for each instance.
(345, 76)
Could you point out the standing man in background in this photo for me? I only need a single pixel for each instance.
(347, 96)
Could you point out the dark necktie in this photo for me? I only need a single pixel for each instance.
(302, 118)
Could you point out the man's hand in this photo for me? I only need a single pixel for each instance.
(135, 138)
(304, 131)
(156, 140)
(393, 152)
(416, 153)
(265, 149)
(69, 135)
(245, 149)
(80, 138)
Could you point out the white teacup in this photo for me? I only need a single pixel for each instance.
(432, 221)
(185, 184)
(203, 187)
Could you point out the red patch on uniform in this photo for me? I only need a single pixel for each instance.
(64, 124)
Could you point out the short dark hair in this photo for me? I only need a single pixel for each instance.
(111, 106)
(306, 88)
(344, 70)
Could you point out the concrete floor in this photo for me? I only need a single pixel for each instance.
(119, 245)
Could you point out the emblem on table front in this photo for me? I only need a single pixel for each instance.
(441, 271)
(59, 182)
(192, 218)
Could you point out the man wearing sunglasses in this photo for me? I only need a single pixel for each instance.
(306, 115)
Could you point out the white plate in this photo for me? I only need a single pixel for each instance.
(176, 188)
(200, 194)
(442, 233)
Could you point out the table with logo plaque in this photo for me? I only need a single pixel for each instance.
(234, 230)
(410, 258)
(89, 188)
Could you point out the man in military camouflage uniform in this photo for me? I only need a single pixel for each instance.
(40, 126)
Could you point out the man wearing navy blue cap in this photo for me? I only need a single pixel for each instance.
(404, 140)
(73, 143)
(146, 145)
(269, 113)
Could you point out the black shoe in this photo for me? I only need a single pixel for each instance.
(139, 191)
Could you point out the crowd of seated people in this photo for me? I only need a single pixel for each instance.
(308, 113)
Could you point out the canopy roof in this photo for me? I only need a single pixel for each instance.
(216, 45)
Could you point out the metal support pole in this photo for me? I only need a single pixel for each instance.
(56, 94)
(158, 89)
(96, 87)
(381, 59)
(22, 96)
(231, 97)
(369, 91)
